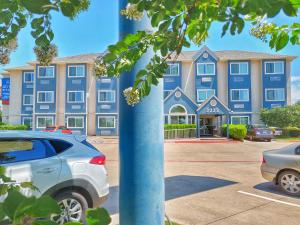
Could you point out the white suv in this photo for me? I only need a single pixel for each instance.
(65, 167)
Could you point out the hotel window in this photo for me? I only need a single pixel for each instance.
(172, 70)
(75, 96)
(191, 119)
(27, 99)
(27, 121)
(43, 122)
(240, 120)
(206, 69)
(240, 95)
(178, 115)
(106, 96)
(106, 122)
(76, 71)
(239, 68)
(75, 122)
(46, 71)
(28, 77)
(275, 94)
(45, 96)
(275, 67)
(203, 94)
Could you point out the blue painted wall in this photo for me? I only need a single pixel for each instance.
(172, 82)
(199, 79)
(27, 89)
(182, 100)
(239, 82)
(76, 84)
(45, 84)
(274, 81)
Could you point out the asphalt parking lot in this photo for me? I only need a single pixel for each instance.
(213, 184)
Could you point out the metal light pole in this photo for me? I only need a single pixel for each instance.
(141, 144)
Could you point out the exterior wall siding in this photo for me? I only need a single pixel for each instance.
(173, 81)
(27, 90)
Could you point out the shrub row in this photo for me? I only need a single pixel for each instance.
(13, 127)
(291, 132)
(237, 132)
(179, 126)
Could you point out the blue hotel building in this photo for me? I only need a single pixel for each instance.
(203, 87)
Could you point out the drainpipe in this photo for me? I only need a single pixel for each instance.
(141, 145)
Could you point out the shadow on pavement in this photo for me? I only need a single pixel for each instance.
(176, 187)
(271, 188)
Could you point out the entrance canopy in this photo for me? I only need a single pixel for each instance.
(213, 106)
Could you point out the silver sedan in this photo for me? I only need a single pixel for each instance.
(282, 166)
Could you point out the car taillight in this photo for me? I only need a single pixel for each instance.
(98, 160)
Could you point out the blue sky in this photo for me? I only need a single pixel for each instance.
(93, 30)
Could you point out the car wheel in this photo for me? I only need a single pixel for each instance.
(289, 182)
(73, 206)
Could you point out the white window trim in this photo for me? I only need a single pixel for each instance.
(206, 74)
(27, 117)
(99, 91)
(267, 89)
(75, 117)
(68, 98)
(38, 71)
(265, 65)
(240, 117)
(76, 66)
(24, 99)
(248, 99)
(106, 117)
(172, 75)
(41, 117)
(47, 102)
(27, 82)
(239, 63)
(177, 114)
(198, 100)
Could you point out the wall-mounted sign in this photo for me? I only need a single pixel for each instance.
(5, 91)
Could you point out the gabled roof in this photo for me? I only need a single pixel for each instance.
(182, 92)
(205, 49)
(207, 101)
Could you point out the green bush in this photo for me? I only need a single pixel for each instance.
(13, 127)
(180, 131)
(179, 126)
(291, 132)
(237, 132)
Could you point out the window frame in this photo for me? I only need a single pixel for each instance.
(43, 117)
(209, 89)
(279, 61)
(206, 74)
(111, 91)
(76, 66)
(106, 117)
(27, 117)
(76, 117)
(24, 96)
(248, 117)
(74, 102)
(242, 89)
(24, 76)
(50, 77)
(173, 75)
(269, 89)
(239, 63)
(46, 102)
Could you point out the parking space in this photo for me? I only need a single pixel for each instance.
(209, 183)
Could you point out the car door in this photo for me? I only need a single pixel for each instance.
(31, 160)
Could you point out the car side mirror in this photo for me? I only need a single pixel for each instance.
(297, 150)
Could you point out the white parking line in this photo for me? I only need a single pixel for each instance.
(270, 199)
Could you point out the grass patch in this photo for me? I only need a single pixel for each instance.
(283, 138)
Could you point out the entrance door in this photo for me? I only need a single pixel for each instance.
(206, 126)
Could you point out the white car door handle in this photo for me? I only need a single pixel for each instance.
(46, 170)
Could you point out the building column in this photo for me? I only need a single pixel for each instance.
(228, 121)
(141, 144)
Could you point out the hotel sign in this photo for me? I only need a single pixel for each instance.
(5, 91)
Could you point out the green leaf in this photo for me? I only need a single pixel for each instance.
(282, 41)
(156, 18)
(11, 203)
(42, 40)
(97, 216)
(164, 25)
(67, 9)
(2, 214)
(49, 222)
(36, 6)
(37, 22)
(225, 28)
(45, 206)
